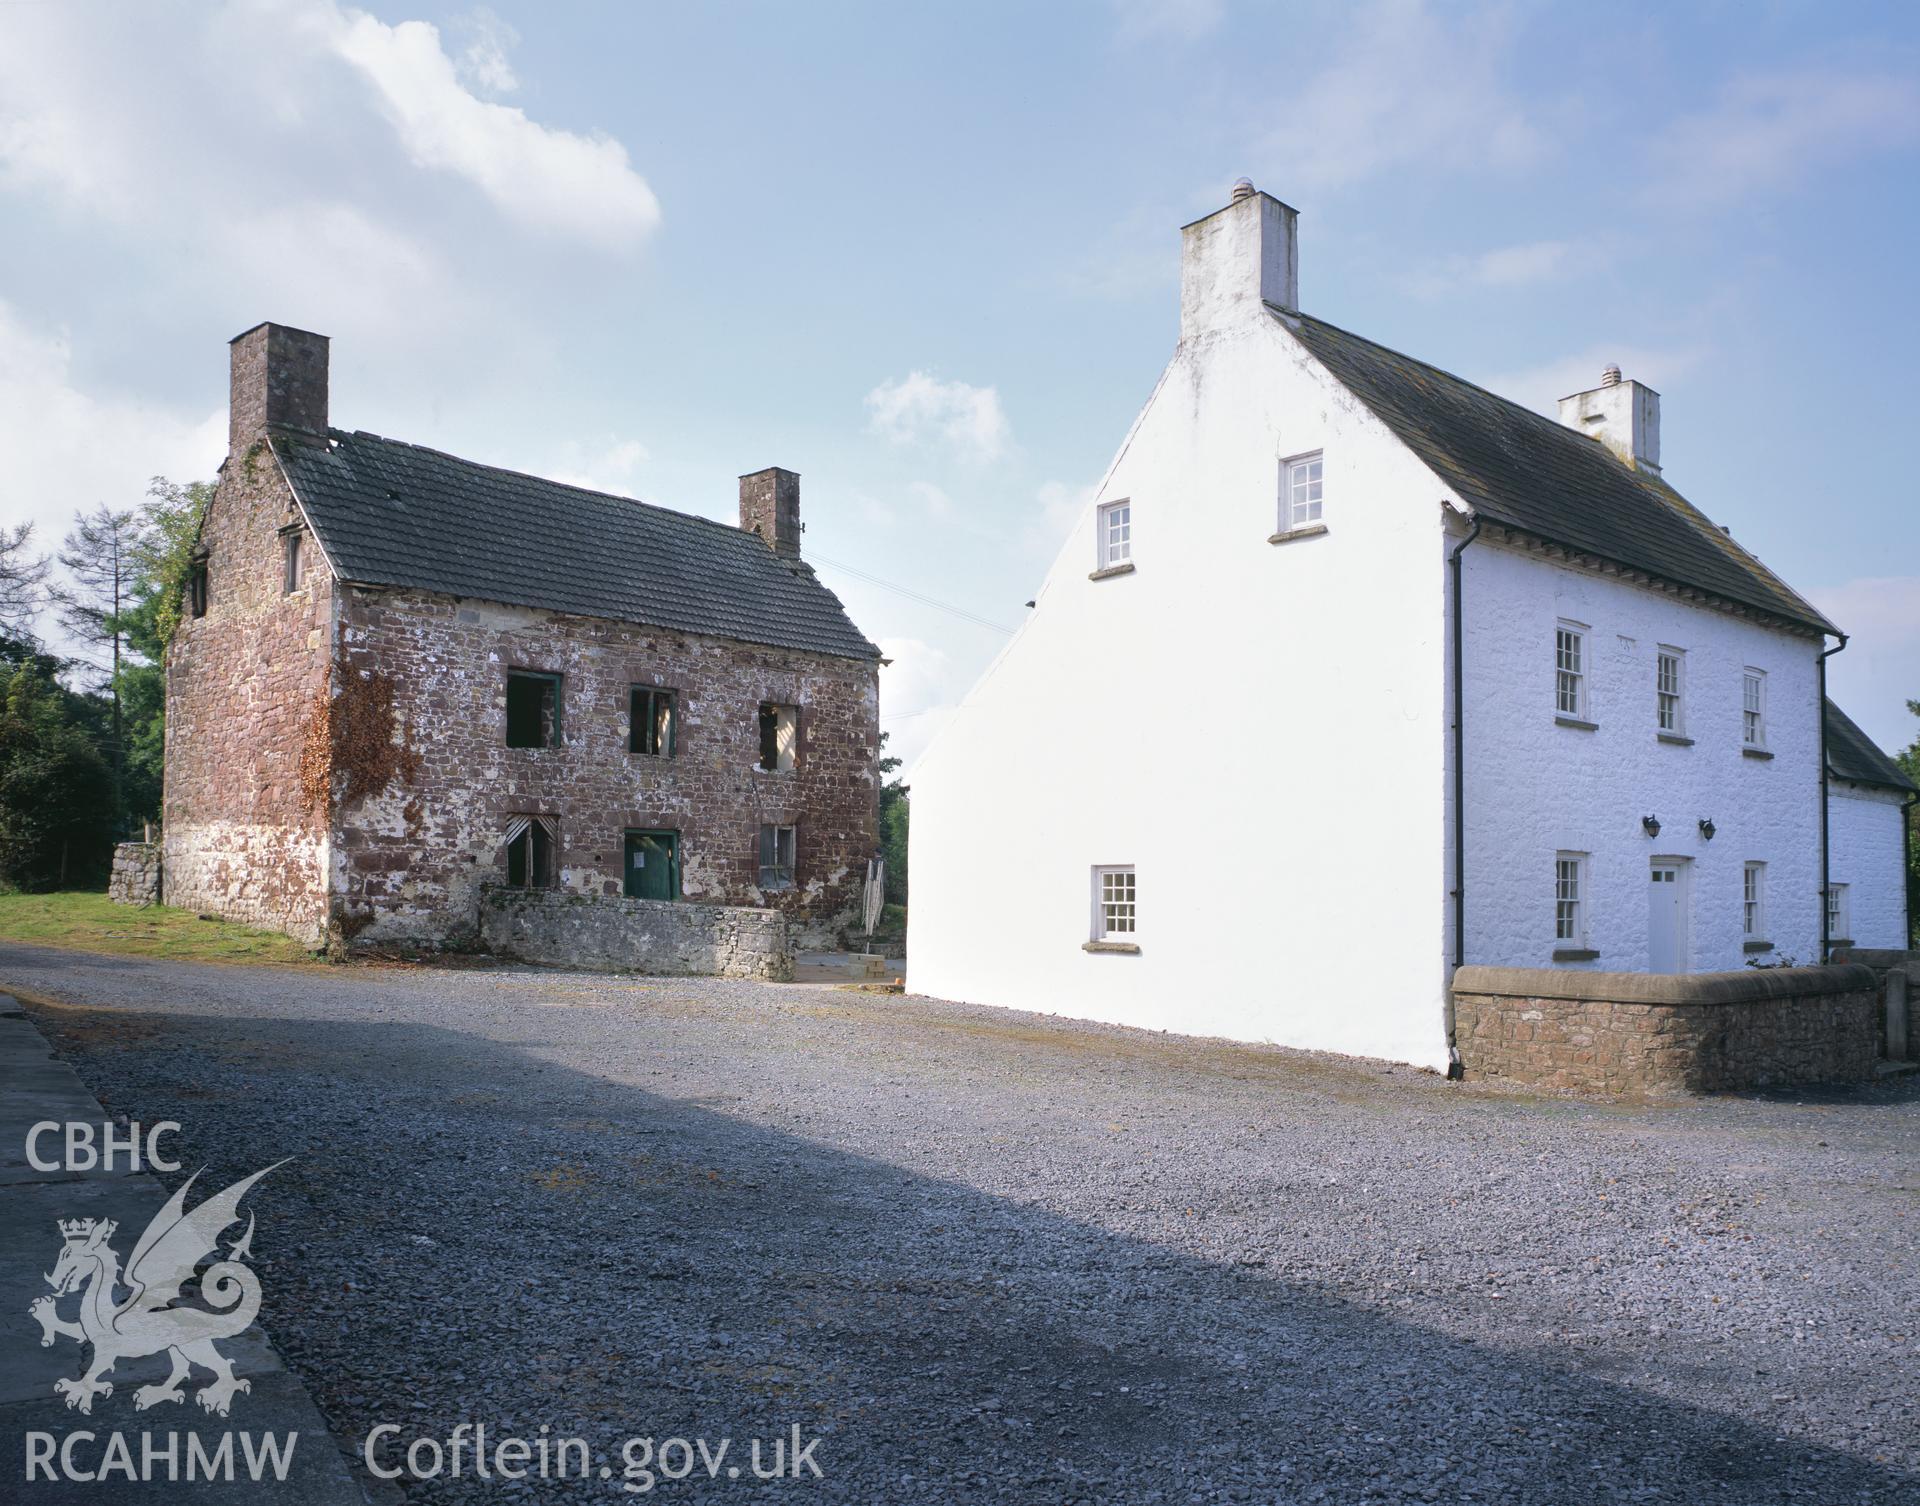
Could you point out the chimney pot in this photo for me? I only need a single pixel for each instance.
(770, 507)
(1624, 415)
(1237, 261)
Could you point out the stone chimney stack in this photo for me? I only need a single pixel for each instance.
(1623, 415)
(1237, 261)
(770, 507)
(278, 382)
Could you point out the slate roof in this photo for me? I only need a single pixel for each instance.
(1532, 473)
(394, 514)
(1853, 756)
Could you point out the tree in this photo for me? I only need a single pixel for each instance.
(1909, 761)
(163, 560)
(23, 581)
(99, 554)
(57, 794)
(893, 826)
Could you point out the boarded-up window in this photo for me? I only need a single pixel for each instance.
(651, 721)
(779, 735)
(533, 709)
(530, 845)
(776, 857)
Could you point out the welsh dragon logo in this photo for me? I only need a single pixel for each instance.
(147, 1319)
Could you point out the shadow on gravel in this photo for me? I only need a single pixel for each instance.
(471, 1233)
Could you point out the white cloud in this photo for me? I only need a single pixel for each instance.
(1769, 130)
(1060, 506)
(1541, 387)
(1157, 20)
(1406, 87)
(918, 693)
(1502, 267)
(550, 180)
(920, 408)
(612, 466)
(483, 64)
(69, 451)
(1880, 670)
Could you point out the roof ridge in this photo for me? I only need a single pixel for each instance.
(584, 491)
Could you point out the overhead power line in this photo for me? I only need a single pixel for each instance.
(887, 585)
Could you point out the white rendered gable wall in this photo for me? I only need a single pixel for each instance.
(1259, 729)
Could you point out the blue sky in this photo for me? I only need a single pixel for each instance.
(927, 256)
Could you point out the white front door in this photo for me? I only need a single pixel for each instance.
(1667, 917)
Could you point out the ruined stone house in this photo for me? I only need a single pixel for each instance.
(403, 677)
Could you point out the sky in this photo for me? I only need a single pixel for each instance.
(927, 256)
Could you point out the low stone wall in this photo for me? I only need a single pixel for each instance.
(1899, 975)
(1634, 1033)
(636, 935)
(136, 874)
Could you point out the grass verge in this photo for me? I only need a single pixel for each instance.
(93, 923)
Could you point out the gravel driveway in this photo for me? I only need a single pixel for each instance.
(1000, 1256)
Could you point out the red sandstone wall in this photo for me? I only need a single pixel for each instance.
(241, 837)
(410, 858)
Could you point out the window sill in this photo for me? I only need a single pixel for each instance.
(1124, 948)
(1288, 535)
(1576, 723)
(1125, 567)
(1675, 738)
(1755, 753)
(1575, 954)
(1756, 946)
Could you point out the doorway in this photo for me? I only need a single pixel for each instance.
(652, 865)
(1667, 916)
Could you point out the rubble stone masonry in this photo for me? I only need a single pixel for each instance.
(412, 856)
(1637, 1033)
(242, 839)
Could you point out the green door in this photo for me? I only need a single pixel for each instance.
(653, 865)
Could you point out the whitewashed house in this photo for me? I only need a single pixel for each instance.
(1867, 800)
(1220, 782)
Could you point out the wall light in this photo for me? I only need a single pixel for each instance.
(1651, 824)
(1706, 827)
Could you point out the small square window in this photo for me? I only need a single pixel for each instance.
(1570, 670)
(1669, 690)
(1753, 708)
(1115, 905)
(651, 721)
(1300, 492)
(531, 841)
(779, 736)
(1753, 897)
(776, 857)
(1115, 526)
(1570, 899)
(533, 709)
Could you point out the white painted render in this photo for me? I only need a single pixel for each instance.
(1257, 727)
(1536, 787)
(1262, 729)
(1866, 853)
